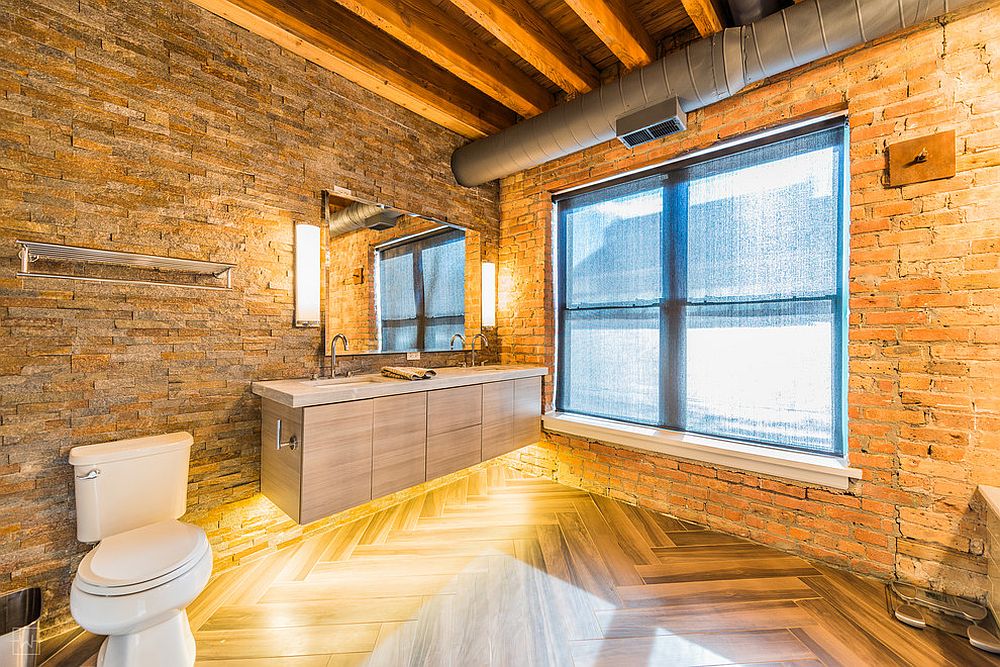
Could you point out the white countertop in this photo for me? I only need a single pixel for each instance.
(303, 393)
(992, 496)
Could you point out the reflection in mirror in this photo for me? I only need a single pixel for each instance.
(409, 287)
(420, 290)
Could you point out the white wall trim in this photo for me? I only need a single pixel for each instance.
(828, 471)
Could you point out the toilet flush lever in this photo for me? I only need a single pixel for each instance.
(292, 443)
(90, 474)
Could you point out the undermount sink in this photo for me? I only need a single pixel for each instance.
(360, 379)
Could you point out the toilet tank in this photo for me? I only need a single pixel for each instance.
(127, 484)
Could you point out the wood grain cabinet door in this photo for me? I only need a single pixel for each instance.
(400, 443)
(498, 418)
(454, 429)
(336, 458)
(280, 468)
(527, 411)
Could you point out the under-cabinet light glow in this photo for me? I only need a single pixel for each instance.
(307, 275)
(489, 294)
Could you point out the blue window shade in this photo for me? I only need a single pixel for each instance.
(708, 297)
(421, 299)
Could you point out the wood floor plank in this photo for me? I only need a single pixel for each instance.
(471, 619)
(303, 613)
(715, 552)
(720, 617)
(441, 536)
(477, 520)
(508, 613)
(488, 547)
(715, 591)
(409, 514)
(620, 563)
(220, 590)
(631, 540)
(782, 566)
(693, 650)
(548, 632)
(433, 503)
(434, 631)
(571, 603)
(649, 527)
(828, 649)
(348, 660)
(378, 566)
(381, 524)
(588, 570)
(289, 661)
(270, 568)
(345, 539)
(395, 644)
(279, 642)
(697, 538)
(842, 641)
(304, 558)
(383, 587)
(668, 523)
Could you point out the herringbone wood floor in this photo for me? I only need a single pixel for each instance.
(499, 569)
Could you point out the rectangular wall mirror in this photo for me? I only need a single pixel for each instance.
(399, 282)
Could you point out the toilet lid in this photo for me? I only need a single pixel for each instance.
(148, 555)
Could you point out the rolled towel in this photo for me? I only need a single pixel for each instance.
(405, 373)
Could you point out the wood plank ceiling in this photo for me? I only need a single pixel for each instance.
(475, 66)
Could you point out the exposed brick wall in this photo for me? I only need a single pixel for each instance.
(924, 400)
(154, 126)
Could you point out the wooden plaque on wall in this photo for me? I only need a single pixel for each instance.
(923, 159)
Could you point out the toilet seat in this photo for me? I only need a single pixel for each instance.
(140, 559)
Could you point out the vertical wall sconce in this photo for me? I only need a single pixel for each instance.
(489, 294)
(307, 275)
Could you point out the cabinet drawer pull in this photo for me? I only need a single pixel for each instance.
(292, 443)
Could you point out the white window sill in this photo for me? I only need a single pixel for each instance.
(799, 466)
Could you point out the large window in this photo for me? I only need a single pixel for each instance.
(708, 297)
(421, 291)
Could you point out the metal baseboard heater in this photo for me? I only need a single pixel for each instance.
(704, 72)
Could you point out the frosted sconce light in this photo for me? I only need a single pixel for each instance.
(307, 275)
(489, 294)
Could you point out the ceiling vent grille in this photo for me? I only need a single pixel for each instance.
(650, 123)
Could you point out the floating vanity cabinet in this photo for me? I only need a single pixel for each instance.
(280, 469)
(454, 429)
(336, 458)
(498, 419)
(527, 411)
(343, 441)
(511, 415)
(400, 443)
(330, 467)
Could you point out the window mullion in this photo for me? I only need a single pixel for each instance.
(672, 333)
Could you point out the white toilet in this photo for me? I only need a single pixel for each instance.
(135, 585)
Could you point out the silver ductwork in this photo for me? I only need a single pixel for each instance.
(704, 72)
(363, 216)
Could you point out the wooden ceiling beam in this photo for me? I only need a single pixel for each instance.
(617, 26)
(343, 43)
(424, 27)
(528, 34)
(704, 16)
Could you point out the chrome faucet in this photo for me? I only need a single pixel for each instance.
(333, 352)
(460, 337)
(486, 343)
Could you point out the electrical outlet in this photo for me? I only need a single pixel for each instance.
(412, 356)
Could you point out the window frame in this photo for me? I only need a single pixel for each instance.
(674, 231)
(420, 319)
